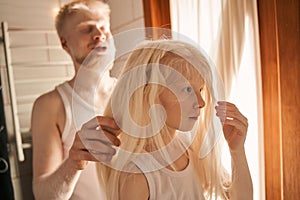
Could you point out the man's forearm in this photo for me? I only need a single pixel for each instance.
(58, 185)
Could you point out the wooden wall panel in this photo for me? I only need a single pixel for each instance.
(157, 14)
(288, 23)
(279, 22)
(280, 51)
(271, 98)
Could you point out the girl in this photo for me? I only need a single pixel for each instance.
(164, 104)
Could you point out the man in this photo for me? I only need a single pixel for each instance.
(61, 167)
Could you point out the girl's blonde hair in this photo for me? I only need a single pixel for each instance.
(188, 61)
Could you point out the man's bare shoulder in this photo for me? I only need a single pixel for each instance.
(50, 103)
(50, 99)
(48, 111)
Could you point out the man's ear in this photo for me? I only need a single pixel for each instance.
(64, 44)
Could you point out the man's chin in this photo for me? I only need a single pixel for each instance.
(98, 61)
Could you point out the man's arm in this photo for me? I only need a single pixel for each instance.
(52, 178)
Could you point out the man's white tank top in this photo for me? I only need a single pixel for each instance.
(88, 186)
(165, 184)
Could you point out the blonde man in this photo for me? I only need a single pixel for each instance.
(61, 167)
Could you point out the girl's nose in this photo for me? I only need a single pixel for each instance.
(200, 102)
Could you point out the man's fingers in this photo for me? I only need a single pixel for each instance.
(102, 157)
(102, 121)
(99, 135)
(91, 124)
(88, 156)
(112, 138)
(102, 128)
(106, 122)
(96, 146)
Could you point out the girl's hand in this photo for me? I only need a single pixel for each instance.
(235, 125)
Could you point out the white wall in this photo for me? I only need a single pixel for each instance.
(54, 65)
(126, 14)
(39, 15)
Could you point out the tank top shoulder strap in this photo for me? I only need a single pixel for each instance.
(65, 92)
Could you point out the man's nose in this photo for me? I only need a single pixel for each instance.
(99, 35)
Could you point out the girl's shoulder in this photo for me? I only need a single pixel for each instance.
(133, 186)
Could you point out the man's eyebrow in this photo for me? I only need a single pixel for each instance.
(85, 23)
(90, 22)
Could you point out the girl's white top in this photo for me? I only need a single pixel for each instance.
(166, 184)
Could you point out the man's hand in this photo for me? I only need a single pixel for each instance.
(94, 142)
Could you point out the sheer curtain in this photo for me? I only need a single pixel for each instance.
(228, 31)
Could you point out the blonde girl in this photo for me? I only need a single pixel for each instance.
(165, 105)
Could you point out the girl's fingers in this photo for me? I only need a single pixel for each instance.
(225, 103)
(236, 124)
(232, 115)
(228, 110)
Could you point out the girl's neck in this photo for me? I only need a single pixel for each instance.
(181, 163)
(173, 154)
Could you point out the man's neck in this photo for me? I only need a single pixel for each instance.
(94, 87)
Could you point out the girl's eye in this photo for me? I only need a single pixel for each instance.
(188, 89)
